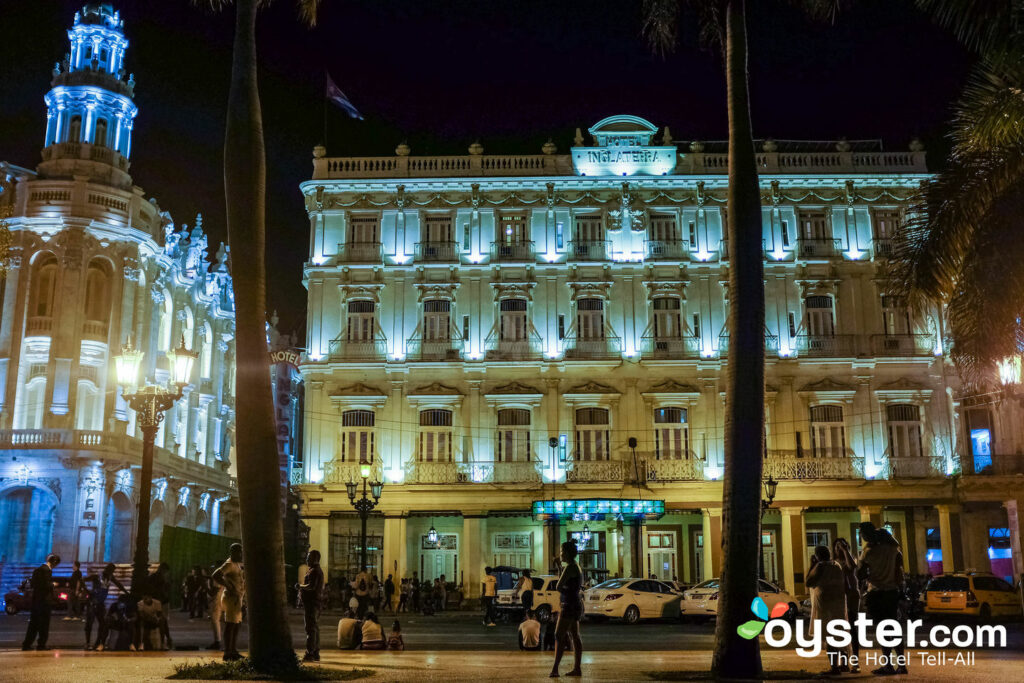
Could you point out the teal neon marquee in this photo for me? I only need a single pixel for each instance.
(598, 508)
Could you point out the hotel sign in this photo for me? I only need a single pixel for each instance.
(624, 161)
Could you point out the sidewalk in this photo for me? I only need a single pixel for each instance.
(419, 666)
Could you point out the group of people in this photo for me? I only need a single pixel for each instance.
(367, 633)
(843, 586)
(367, 592)
(135, 619)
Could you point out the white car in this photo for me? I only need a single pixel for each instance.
(632, 600)
(545, 598)
(702, 599)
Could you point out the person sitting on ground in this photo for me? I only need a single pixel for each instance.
(349, 631)
(373, 634)
(120, 626)
(150, 615)
(549, 632)
(529, 632)
(395, 641)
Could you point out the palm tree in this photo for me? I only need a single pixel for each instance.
(259, 473)
(723, 24)
(960, 246)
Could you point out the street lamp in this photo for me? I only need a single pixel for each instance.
(149, 402)
(364, 505)
(770, 486)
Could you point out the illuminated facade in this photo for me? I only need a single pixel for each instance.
(92, 263)
(492, 332)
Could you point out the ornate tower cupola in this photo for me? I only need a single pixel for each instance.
(89, 108)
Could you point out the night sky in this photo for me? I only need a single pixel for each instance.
(441, 74)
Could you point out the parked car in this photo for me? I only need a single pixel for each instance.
(632, 600)
(545, 599)
(702, 599)
(20, 599)
(977, 594)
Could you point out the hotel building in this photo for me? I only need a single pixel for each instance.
(491, 334)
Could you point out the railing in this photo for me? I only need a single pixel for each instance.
(359, 252)
(682, 469)
(915, 467)
(85, 150)
(583, 348)
(343, 349)
(830, 464)
(818, 247)
(421, 472)
(902, 344)
(667, 250)
(513, 252)
(670, 347)
(500, 472)
(771, 343)
(437, 252)
(38, 325)
(436, 350)
(531, 348)
(597, 471)
(342, 472)
(826, 345)
(590, 250)
(1001, 464)
(882, 247)
(94, 330)
(33, 438)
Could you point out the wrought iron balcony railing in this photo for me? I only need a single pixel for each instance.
(437, 252)
(670, 347)
(436, 350)
(818, 248)
(902, 344)
(513, 252)
(590, 250)
(359, 252)
(667, 250)
(589, 348)
(826, 345)
(357, 349)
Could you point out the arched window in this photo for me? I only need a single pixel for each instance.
(357, 436)
(44, 281)
(513, 435)
(904, 423)
(828, 432)
(100, 138)
(435, 435)
(97, 292)
(75, 129)
(592, 434)
(671, 434)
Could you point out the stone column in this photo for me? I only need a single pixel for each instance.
(1013, 523)
(793, 540)
(712, 519)
(471, 556)
(949, 536)
(552, 541)
(394, 547)
(320, 538)
(873, 514)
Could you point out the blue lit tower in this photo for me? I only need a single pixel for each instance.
(89, 108)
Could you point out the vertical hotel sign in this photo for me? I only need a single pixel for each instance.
(286, 365)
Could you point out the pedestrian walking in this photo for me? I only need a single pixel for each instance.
(828, 601)
(76, 587)
(229, 575)
(389, 593)
(311, 593)
(569, 586)
(489, 592)
(41, 583)
(841, 553)
(96, 607)
(881, 565)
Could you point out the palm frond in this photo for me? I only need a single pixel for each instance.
(822, 10)
(309, 10)
(215, 5)
(990, 112)
(985, 26)
(661, 25)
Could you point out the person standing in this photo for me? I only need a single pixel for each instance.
(569, 586)
(374, 593)
(361, 591)
(842, 554)
(488, 593)
(42, 604)
(389, 593)
(76, 586)
(415, 592)
(229, 575)
(311, 592)
(159, 583)
(524, 590)
(96, 608)
(443, 603)
(881, 565)
(828, 599)
(216, 593)
(404, 591)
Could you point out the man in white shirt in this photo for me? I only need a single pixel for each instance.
(529, 632)
(348, 628)
(489, 592)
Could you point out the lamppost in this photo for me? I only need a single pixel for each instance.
(149, 402)
(364, 506)
(770, 485)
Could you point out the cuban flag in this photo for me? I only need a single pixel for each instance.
(335, 95)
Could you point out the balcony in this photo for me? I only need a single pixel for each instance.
(501, 472)
(827, 464)
(667, 250)
(421, 472)
(771, 344)
(882, 247)
(590, 250)
(360, 252)
(434, 350)
(531, 348)
(597, 471)
(902, 344)
(584, 348)
(437, 252)
(915, 467)
(670, 348)
(997, 464)
(818, 248)
(826, 345)
(356, 350)
(342, 472)
(665, 470)
(513, 252)
(38, 325)
(94, 330)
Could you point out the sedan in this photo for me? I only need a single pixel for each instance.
(631, 600)
(702, 599)
(21, 599)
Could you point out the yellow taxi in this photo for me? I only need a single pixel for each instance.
(977, 594)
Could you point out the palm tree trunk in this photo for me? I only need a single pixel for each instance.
(259, 472)
(734, 656)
